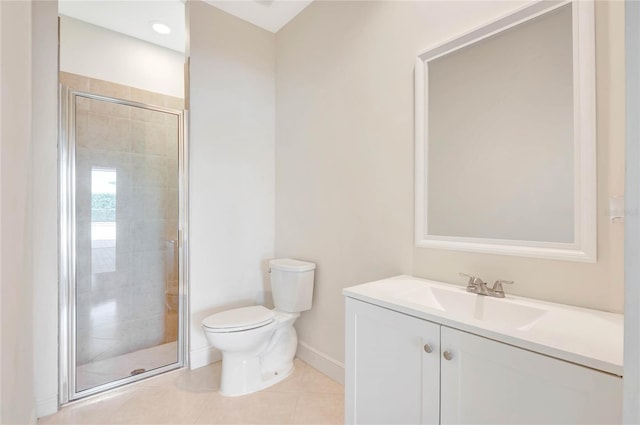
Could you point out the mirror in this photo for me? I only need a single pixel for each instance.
(505, 137)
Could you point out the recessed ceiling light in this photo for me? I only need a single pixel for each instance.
(160, 28)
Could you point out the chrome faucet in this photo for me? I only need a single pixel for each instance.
(477, 286)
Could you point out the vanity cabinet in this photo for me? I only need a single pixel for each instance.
(392, 367)
(490, 382)
(404, 370)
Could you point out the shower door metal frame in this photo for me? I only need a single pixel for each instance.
(67, 237)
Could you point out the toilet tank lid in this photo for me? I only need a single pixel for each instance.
(291, 265)
(239, 318)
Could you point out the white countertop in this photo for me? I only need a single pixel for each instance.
(587, 337)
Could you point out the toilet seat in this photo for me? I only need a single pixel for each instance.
(239, 319)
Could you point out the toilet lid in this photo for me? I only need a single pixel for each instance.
(239, 319)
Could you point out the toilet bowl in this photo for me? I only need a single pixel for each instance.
(257, 344)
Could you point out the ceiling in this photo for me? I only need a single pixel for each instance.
(134, 17)
(268, 14)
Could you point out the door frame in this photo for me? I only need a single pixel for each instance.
(67, 259)
(631, 403)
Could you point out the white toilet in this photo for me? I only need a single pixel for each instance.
(258, 344)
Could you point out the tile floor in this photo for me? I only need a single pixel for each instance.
(191, 397)
(102, 371)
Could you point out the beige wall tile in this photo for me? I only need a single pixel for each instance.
(147, 97)
(74, 81)
(156, 139)
(173, 103)
(83, 103)
(109, 109)
(106, 88)
(109, 89)
(138, 134)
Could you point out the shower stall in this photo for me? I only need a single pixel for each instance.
(123, 224)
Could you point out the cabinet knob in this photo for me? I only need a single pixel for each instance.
(448, 355)
(427, 348)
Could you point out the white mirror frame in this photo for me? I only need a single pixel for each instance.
(584, 113)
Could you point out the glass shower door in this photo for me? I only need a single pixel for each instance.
(124, 162)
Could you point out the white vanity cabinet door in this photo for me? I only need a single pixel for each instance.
(390, 376)
(488, 382)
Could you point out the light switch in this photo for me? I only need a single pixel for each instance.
(616, 209)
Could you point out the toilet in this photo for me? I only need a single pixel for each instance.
(258, 344)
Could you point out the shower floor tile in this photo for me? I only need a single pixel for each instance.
(192, 397)
(103, 371)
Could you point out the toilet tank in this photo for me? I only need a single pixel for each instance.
(291, 284)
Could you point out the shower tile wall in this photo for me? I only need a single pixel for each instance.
(127, 293)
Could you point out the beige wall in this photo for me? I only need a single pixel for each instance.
(16, 323)
(44, 197)
(232, 98)
(344, 157)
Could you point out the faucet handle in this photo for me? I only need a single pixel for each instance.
(497, 286)
(472, 279)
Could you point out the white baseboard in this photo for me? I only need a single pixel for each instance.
(203, 356)
(318, 360)
(46, 406)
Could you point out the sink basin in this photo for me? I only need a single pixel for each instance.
(578, 335)
(501, 312)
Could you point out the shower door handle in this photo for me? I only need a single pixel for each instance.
(175, 242)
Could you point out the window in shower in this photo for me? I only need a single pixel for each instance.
(103, 219)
